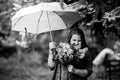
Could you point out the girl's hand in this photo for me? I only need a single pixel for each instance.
(70, 68)
(52, 45)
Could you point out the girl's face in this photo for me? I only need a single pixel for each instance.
(75, 41)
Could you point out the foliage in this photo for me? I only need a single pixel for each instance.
(105, 20)
(7, 9)
(100, 17)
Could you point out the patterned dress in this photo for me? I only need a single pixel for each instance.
(62, 73)
(61, 70)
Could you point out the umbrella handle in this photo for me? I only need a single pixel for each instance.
(51, 36)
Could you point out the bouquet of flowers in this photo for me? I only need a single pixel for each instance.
(64, 53)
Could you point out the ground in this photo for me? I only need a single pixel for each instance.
(29, 67)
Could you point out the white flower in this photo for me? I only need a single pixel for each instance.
(82, 56)
(70, 68)
(81, 53)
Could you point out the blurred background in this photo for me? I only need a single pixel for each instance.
(29, 61)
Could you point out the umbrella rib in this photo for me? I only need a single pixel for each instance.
(17, 21)
(39, 21)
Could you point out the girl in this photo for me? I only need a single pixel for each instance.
(77, 69)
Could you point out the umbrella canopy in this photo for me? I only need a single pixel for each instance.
(44, 17)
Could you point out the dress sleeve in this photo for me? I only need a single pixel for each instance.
(88, 64)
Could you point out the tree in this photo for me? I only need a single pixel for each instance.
(105, 20)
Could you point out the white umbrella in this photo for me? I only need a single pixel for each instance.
(44, 17)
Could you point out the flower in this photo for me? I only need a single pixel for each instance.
(80, 53)
(64, 53)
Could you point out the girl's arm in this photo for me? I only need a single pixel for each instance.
(81, 72)
(99, 59)
(51, 62)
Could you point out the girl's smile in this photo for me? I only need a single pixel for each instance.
(75, 41)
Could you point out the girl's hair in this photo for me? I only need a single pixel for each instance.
(78, 32)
